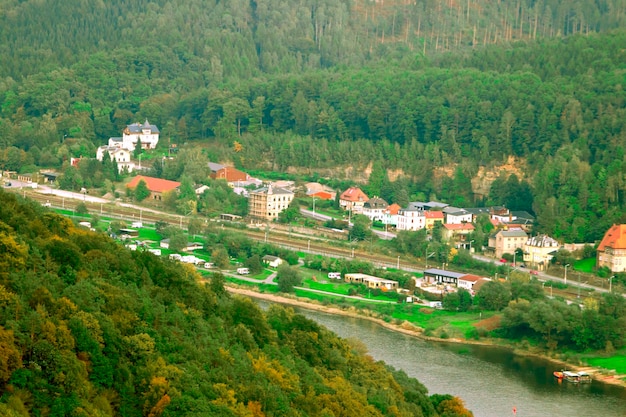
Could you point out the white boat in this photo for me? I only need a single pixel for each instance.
(576, 377)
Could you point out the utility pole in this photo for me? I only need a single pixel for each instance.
(565, 275)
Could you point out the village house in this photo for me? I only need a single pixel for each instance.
(539, 251)
(317, 190)
(120, 156)
(230, 175)
(353, 200)
(431, 217)
(456, 215)
(441, 276)
(374, 209)
(268, 202)
(272, 261)
(371, 282)
(457, 232)
(411, 219)
(146, 134)
(157, 186)
(390, 215)
(467, 282)
(507, 241)
(612, 249)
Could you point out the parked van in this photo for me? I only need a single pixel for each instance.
(209, 265)
(243, 271)
(334, 275)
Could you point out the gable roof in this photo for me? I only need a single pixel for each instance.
(512, 233)
(470, 278)
(353, 194)
(433, 214)
(271, 258)
(156, 185)
(323, 195)
(393, 209)
(614, 238)
(375, 203)
(460, 226)
(138, 128)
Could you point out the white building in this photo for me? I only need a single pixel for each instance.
(411, 219)
(146, 133)
(539, 251)
(456, 215)
(120, 156)
(375, 208)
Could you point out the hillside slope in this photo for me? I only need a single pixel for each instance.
(88, 328)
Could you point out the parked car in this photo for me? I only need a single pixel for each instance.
(503, 260)
(534, 272)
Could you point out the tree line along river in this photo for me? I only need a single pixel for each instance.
(491, 381)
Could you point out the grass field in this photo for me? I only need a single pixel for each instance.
(616, 363)
(585, 265)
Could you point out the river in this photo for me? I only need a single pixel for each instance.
(490, 380)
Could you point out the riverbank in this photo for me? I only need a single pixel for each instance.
(416, 331)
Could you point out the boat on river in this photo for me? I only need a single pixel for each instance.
(575, 377)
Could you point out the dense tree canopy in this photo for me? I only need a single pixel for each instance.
(90, 328)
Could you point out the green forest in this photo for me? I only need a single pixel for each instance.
(89, 328)
(317, 86)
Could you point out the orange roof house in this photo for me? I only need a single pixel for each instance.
(432, 217)
(230, 174)
(393, 209)
(157, 186)
(353, 199)
(612, 249)
(322, 195)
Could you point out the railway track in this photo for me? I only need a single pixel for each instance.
(307, 244)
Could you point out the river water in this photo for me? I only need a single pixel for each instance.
(491, 381)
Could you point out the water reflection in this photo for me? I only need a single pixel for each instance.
(490, 380)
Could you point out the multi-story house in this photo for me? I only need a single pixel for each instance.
(268, 202)
(539, 251)
(120, 156)
(456, 215)
(145, 133)
(353, 200)
(612, 249)
(390, 217)
(374, 209)
(411, 219)
(507, 241)
(433, 217)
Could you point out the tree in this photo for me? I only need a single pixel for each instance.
(291, 213)
(493, 295)
(220, 257)
(360, 228)
(81, 209)
(288, 277)
(178, 242)
(141, 191)
(254, 264)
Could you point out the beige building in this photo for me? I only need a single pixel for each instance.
(372, 281)
(539, 251)
(612, 249)
(268, 202)
(507, 241)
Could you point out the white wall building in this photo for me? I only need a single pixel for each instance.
(120, 156)
(456, 215)
(411, 219)
(146, 133)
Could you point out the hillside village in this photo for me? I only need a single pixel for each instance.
(511, 240)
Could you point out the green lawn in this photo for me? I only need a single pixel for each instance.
(617, 363)
(149, 234)
(585, 265)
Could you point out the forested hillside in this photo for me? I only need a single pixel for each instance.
(235, 39)
(88, 328)
(320, 86)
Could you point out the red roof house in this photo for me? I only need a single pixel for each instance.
(432, 217)
(353, 199)
(612, 249)
(157, 186)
